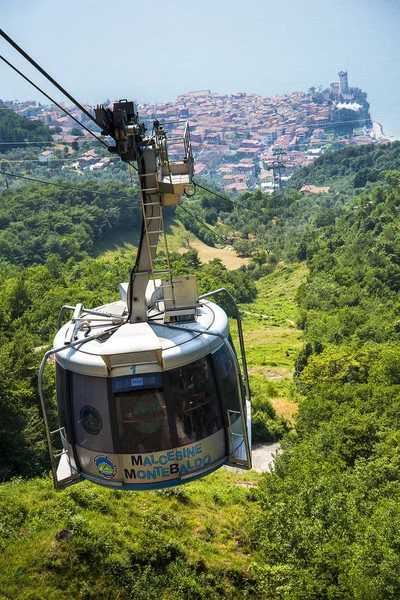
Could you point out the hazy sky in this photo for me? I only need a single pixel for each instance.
(153, 51)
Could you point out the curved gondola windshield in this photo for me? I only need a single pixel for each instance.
(142, 421)
(196, 407)
(227, 381)
(179, 408)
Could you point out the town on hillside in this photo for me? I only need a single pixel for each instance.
(240, 141)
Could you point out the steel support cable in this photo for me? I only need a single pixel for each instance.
(48, 77)
(61, 185)
(227, 199)
(54, 82)
(45, 143)
(53, 101)
(133, 167)
(203, 224)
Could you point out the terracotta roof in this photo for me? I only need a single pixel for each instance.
(199, 168)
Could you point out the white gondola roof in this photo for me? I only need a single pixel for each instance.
(142, 347)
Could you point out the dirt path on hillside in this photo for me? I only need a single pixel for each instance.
(263, 457)
(227, 254)
(253, 314)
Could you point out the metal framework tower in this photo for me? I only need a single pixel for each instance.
(277, 167)
(165, 170)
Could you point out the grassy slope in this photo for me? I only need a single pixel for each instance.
(125, 244)
(190, 542)
(272, 340)
(157, 541)
(276, 292)
(229, 257)
(116, 244)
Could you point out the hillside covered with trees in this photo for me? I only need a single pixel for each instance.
(324, 523)
(38, 220)
(330, 511)
(16, 131)
(363, 163)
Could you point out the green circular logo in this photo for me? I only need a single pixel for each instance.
(105, 466)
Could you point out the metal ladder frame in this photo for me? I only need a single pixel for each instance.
(145, 193)
(152, 211)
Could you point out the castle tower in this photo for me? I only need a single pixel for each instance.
(343, 83)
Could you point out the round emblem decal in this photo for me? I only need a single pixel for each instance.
(105, 466)
(91, 420)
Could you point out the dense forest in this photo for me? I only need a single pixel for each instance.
(39, 220)
(323, 525)
(16, 131)
(328, 527)
(363, 163)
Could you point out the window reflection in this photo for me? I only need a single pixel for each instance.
(91, 412)
(142, 421)
(226, 375)
(196, 406)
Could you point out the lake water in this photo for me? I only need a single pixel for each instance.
(259, 46)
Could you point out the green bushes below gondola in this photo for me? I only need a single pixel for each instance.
(265, 429)
(30, 300)
(266, 425)
(90, 542)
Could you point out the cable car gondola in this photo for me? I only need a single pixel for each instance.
(150, 392)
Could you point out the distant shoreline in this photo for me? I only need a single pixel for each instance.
(377, 130)
(379, 134)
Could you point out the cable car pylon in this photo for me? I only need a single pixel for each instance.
(150, 390)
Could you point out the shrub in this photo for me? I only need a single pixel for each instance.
(264, 429)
